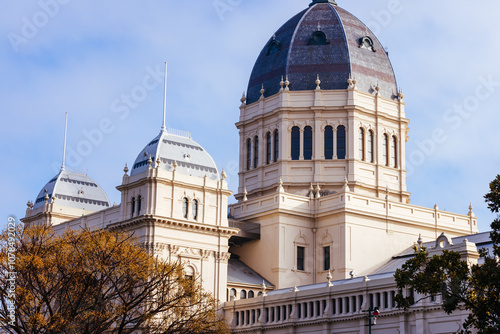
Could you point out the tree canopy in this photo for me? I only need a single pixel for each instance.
(97, 282)
(475, 288)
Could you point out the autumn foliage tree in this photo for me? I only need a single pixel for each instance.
(475, 288)
(98, 282)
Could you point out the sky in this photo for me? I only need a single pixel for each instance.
(102, 62)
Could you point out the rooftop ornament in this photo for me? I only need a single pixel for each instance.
(331, 2)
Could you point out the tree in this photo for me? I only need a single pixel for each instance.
(475, 288)
(96, 282)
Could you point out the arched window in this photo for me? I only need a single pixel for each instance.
(295, 143)
(255, 152)
(308, 143)
(328, 143)
(133, 207)
(189, 274)
(251, 294)
(185, 204)
(276, 145)
(362, 144)
(394, 150)
(195, 209)
(243, 294)
(232, 294)
(341, 144)
(268, 148)
(139, 203)
(318, 38)
(370, 147)
(385, 149)
(249, 154)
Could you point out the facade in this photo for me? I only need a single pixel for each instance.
(322, 217)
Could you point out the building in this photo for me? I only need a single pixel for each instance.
(323, 216)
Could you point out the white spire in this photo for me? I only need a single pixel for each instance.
(64, 149)
(163, 128)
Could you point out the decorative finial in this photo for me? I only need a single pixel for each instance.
(223, 174)
(175, 165)
(311, 191)
(46, 197)
(349, 81)
(282, 83)
(295, 289)
(262, 91)
(274, 36)
(420, 241)
(150, 161)
(329, 277)
(436, 207)
(243, 99)
(346, 185)
(263, 287)
(377, 88)
(287, 83)
(280, 186)
(471, 213)
(125, 169)
(318, 82)
(245, 193)
(158, 162)
(319, 26)
(400, 94)
(318, 189)
(163, 127)
(332, 2)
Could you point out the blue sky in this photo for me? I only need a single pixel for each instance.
(86, 57)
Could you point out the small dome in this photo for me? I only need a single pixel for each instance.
(75, 191)
(322, 40)
(190, 157)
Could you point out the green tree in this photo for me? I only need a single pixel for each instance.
(475, 288)
(97, 282)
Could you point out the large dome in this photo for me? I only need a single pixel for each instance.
(73, 190)
(322, 40)
(190, 157)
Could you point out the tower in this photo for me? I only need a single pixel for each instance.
(322, 154)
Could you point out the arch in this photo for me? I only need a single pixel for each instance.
(308, 143)
(194, 210)
(362, 150)
(295, 143)
(255, 152)
(268, 148)
(251, 294)
(341, 142)
(273, 47)
(243, 294)
(318, 38)
(133, 207)
(328, 142)
(190, 272)
(249, 153)
(385, 149)
(371, 147)
(185, 205)
(276, 145)
(139, 204)
(394, 151)
(232, 294)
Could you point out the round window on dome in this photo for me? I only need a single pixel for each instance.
(366, 43)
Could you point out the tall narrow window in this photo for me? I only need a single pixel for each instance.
(394, 150)
(249, 154)
(370, 147)
(295, 143)
(195, 209)
(328, 143)
(326, 258)
(386, 149)
(276, 145)
(300, 257)
(361, 144)
(185, 204)
(133, 206)
(341, 147)
(139, 203)
(308, 143)
(255, 152)
(268, 148)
